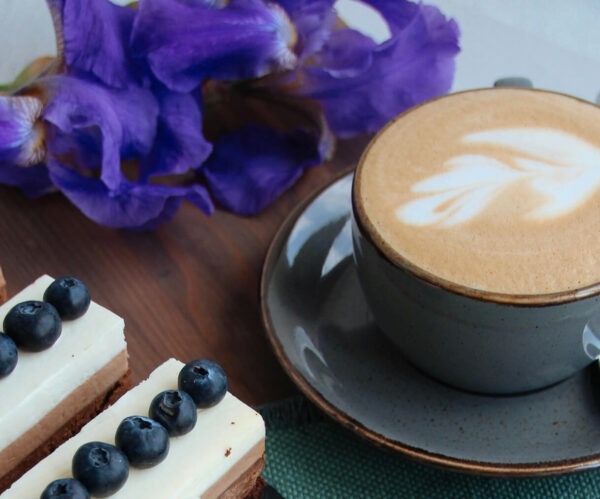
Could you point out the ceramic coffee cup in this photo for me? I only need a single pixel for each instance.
(477, 237)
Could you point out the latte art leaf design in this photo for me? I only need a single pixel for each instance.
(558, 165)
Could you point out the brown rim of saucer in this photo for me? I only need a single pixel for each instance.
(393, 256)
(420, 455)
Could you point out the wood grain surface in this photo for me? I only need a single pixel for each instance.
(3, 290)
(189, 289)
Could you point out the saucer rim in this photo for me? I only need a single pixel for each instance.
(497, 469)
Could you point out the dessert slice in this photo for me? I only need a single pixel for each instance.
(222, 456)
(51, 394)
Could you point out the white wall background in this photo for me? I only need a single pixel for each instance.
(555, 43)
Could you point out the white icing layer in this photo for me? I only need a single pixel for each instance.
(223, 435)
(42, 380)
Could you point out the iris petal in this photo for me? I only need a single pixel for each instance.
(93, 36)
(179, 144)
(56, 9)
(253, 166)
(314, 20)
(131, 205)
(349, 54)
(21, 137)
(187, 42)
(115, 124)
(362, 85)
(34, 180)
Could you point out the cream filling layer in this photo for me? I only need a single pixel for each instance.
(227, 439)
(41, 381)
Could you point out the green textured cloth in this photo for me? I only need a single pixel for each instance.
(310, 456)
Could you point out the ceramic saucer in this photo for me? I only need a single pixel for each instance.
(322, 332)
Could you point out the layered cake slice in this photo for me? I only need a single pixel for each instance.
(221, 456)
(50, 394)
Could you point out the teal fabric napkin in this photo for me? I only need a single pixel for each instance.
(310, 456)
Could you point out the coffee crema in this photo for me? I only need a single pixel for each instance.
(497, 190)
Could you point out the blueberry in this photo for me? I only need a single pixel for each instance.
(33, 325)
(175, 410)
(144, 441)
(205, 381)
(101, 468)
(65, 488)
(8, 355)
(70, 297)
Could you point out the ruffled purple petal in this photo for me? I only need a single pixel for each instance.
(179, 145)
(253, 166)
(314, 20)
(93, 37)
(130, 205)
(362, 86)
(349, 55)
(21, 137)
(81, 148)
(187, 42)
(137, 109)
(33, 180)
(106, 123)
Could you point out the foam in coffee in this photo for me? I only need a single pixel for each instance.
(497, 190)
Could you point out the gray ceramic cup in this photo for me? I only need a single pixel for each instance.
(480, 341)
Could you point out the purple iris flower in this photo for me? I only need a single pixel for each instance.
(95, 111)
(209, 101)
(293, 50)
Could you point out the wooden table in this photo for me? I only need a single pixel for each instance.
(189, 289)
